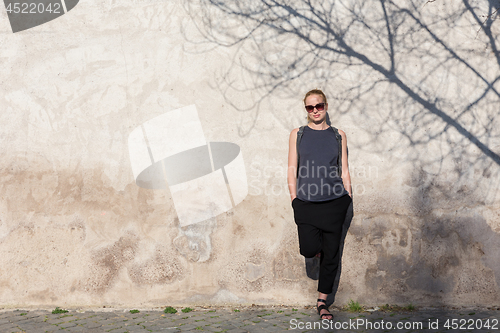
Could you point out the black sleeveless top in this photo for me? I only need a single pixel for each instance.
(318, 176)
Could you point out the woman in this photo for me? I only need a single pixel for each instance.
(320, 194)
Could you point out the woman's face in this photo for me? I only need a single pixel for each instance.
(315, 115)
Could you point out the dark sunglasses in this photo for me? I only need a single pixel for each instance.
(319, 107)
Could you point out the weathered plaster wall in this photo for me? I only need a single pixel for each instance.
(76, 230)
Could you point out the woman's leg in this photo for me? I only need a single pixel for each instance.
(332, 216)
(328, 268)
(309, 235)
(310, 242)
(329, 260)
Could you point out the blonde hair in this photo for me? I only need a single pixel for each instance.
(314, 92)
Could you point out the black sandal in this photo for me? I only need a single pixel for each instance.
(323, 307)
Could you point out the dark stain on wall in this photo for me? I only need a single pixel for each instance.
(108, 262)
(162, 268)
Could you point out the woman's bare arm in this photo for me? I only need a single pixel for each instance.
(292, 164)
(346, 177)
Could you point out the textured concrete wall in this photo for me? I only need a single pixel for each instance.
(85, 104)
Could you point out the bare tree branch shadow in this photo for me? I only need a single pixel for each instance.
(284, 45)
(421, 80)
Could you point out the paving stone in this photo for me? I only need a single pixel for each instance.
(168, 326)
(31, 324)
(92, 325)
(10, 329)
(36, 330)
(137, 330)
(4, 321)
(4, 315)
(66, 325)
(76, 329)
(237, 330)
(17, 319)
(187, 327)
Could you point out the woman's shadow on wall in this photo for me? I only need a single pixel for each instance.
(312, 264)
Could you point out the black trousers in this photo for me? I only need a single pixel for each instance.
(319, 225)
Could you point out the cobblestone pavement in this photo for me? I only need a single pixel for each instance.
(251, 319)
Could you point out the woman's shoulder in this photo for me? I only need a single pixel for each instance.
(341, 132)
(293, 135)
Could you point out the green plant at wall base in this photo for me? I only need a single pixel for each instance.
(186, 310)
(170, 309)
(385, 307)
(134, 311)
(236, 310)
(59, 310)
(409, 307)
(354, 306)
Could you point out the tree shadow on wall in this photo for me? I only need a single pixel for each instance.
(420, 79)
(444, 254)
(426, 72)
